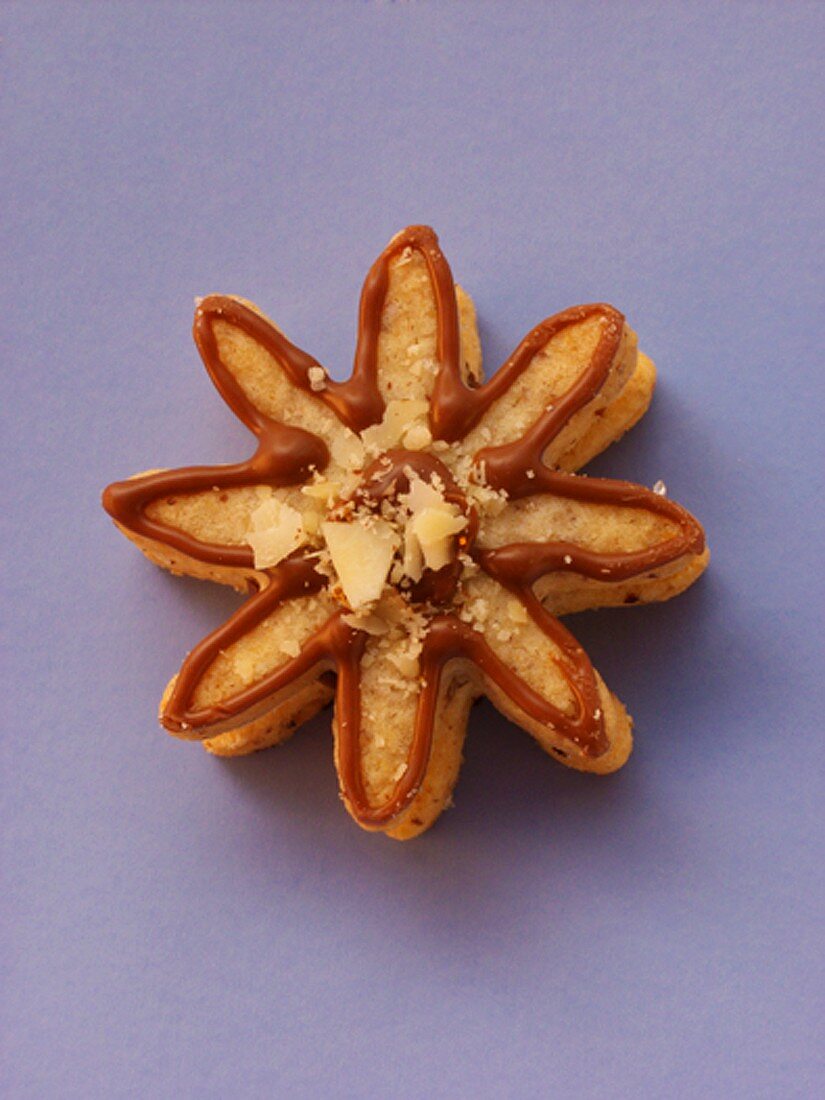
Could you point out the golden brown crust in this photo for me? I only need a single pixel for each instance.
(275, 726)
(618, 417)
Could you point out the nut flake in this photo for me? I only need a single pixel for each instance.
(362, 556)
(369, 623)
(418, 437)
(275, 531)
(317, 379)
(399, 417)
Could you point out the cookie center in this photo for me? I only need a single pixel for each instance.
(451, 522)
(407, 524)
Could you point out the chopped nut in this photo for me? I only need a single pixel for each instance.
(348, 450)
(399, 415)
(276, 530)
(433, 521)
(325, 491)
(433, 529)
(317, 378)
(421, 494)
(370, 624)
(362, 557)
(418, 437)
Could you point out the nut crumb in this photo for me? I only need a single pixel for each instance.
(317, 379)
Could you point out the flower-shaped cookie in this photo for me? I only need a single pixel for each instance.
(410, 536)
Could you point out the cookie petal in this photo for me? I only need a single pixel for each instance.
(280, 392)
(397, 738)
(380, 755)
(535, 672)
(412, 318)
(569, 368)
(270, 651)
(611, 542)
(609, 422)
(194, 520)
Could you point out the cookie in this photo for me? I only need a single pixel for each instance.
(409, 537)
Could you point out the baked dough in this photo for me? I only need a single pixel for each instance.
(410, 537)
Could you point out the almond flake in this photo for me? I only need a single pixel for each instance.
(317, 379)
(433, 528)
(370, 624)
(399, 417)
(276, 530)
(347, 450)
(418, 437)
(325, 491)
(362, 557)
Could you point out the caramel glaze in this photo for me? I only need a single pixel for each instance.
(286, 456)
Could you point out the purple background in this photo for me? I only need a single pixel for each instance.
(179, 926)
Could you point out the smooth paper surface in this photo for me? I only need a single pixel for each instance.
(180, 926)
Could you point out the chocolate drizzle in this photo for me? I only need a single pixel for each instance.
(286, 455)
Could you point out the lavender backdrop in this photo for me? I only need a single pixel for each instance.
(175, 926)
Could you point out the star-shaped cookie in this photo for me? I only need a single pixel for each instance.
(409, 538)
